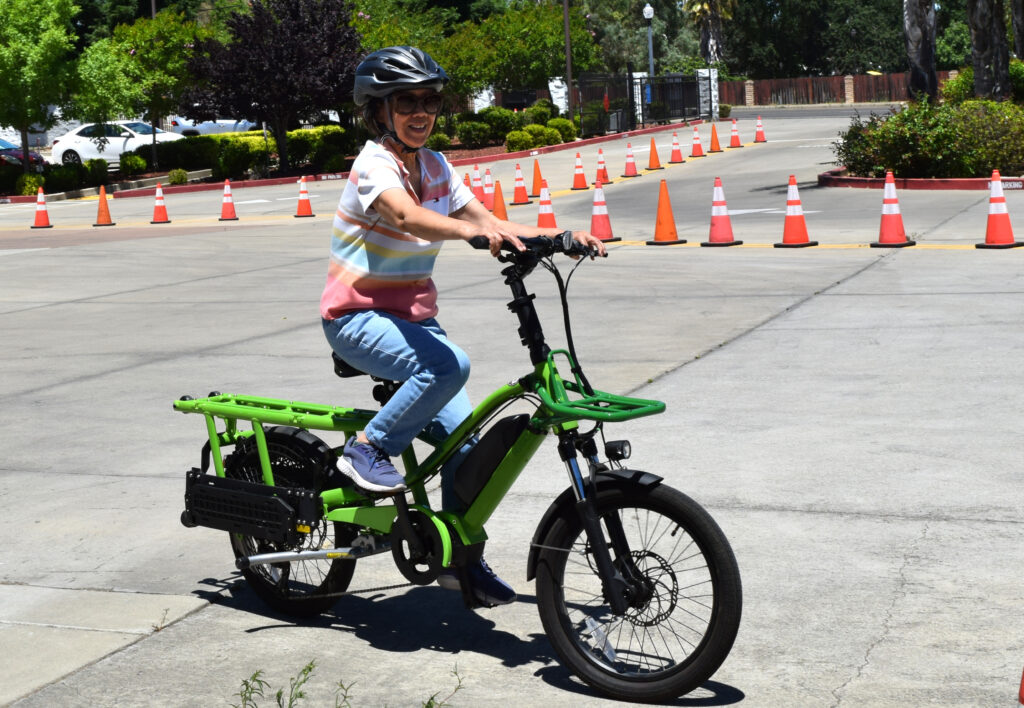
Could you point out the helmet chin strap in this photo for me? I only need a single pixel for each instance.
(391, 134)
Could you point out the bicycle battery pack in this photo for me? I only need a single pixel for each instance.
(486, 455)
(257, 510)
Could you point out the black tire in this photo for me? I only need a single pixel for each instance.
(677, 638)
(70, 157)
(298, 459)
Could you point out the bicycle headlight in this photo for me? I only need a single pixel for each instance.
(617, 450)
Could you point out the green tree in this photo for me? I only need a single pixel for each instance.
(777, 38)
(158, 52)
(287, 60)
(36, 39)
(708, 16)
(620, 32)
(104, 85)
(863, 35)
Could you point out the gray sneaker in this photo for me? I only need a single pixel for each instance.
(370, 468)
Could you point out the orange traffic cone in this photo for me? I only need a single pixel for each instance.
(665, 224)
(42, 217)
(890, 232)
(159, 208)
(677, 153)
(600, 224)
(653, 163)
(227, 207)
(579, 180)
(697, 150)
(545, 213)
(476, 185)
(499, 205)
(715, 147)
(519, 195)
(721, 226)
(630, 163)
(794, 231)
(304, 208)
(734, 138)
(538, 181)
(465, 180)
(1020, 694)
(488, 190)
(602, 169)
(103, 213)
(999, 233)
(759, 132)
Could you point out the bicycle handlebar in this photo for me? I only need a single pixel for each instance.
(541, 246)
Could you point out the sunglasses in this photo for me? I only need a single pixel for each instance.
(406, 104)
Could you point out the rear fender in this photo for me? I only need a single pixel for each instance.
(566, 502)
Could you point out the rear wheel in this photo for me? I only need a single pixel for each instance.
(680, 628)
(70, 157)
(298, 459)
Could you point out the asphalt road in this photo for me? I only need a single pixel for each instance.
(849, 415)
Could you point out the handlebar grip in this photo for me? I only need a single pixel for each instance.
(479, 242)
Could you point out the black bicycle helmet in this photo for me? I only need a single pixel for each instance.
(392, 69)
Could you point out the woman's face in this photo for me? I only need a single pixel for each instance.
(413, 113)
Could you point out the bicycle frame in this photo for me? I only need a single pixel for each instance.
(557, 412)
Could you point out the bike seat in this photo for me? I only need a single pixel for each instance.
(343, 369)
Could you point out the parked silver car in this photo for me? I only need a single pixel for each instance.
(186, 127)
(105, 141)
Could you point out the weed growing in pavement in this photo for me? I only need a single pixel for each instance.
(255, 687)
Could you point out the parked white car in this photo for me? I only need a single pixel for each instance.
(83, 143)
(186, 127)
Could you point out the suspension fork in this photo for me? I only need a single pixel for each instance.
(618, 590)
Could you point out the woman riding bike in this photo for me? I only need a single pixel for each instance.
(379, 305)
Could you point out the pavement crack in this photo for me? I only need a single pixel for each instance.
(898, 595)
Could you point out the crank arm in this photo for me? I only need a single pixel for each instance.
(349, 553)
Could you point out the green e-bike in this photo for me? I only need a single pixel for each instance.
(637, 587)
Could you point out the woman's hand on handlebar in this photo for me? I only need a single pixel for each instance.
(591, 242)
(498, 235)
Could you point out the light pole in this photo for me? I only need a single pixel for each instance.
(649, 15)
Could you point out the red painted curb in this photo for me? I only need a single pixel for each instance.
(834, 178)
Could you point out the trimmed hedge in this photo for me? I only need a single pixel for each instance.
(517, 140)
(968, 139)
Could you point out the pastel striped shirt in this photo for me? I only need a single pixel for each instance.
(375, 266)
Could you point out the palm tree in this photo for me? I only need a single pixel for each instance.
(919, 30)
(707, 15)
(989, 48)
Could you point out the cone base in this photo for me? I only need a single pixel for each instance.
(636, 175)
(165, 221)
(676, 162)
(665, 243)
(1012, 244)
(302, 216)
(228, 218)
(733, 147)
(652, 169)
(47, 226)
(901, 244)
(528, 201)
(109, 223)
(713, 150)
(721, 243)
(805, 244)
(580, 189)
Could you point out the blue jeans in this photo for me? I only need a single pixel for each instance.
(434, 371)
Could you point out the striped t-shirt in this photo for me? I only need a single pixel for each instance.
(375, 266)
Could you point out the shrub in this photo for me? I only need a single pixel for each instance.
(548, 105)
(241, 155)
(968, 139)
(552, 136)
(536, 115)
(724, 110)
(8, 176)
(565, 128)
(177, 176)
(65, 178)
(96, 172)
(473, 134)
(337, 163)
(132, 164)
(438, 142)
(500, 120)
(959, 88)
(536, 133)
(301, 145)
(517, 140)
(28, 184)
(332, 142)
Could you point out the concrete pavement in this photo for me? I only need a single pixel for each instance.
(850, 417)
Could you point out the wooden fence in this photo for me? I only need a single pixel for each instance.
(863, 88)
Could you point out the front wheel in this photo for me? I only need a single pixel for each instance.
(680, 628)
(70, 157)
